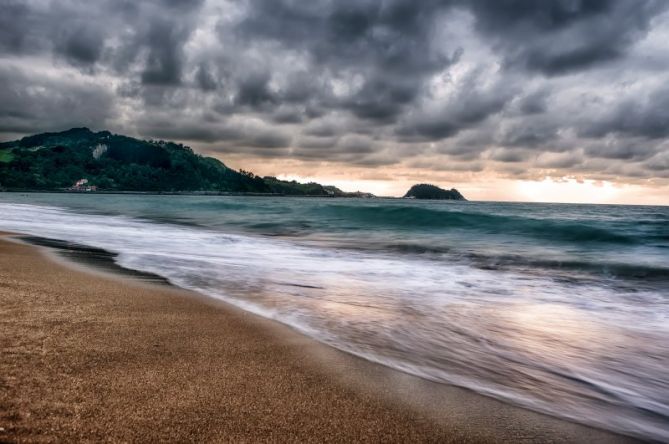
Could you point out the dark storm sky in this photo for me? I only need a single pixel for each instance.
(505, 88)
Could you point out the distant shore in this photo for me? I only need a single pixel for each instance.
(89, 355)
(195, 193)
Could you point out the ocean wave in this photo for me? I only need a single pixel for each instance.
(582, 350)
(636, 272)
(413, 218)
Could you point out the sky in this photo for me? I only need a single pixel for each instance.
(552, 100)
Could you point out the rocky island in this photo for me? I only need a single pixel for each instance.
(427, 191)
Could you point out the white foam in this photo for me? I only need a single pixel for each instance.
(573, 350)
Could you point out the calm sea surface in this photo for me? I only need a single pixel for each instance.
(559, 308)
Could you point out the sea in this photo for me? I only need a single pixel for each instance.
(559, 308)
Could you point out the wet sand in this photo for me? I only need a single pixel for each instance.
(86, 355)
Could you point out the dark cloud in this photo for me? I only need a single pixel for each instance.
(644, 115)
(382, 50)
(659, 163)
(15, 28)
(356, 144)
(50, 104)
(509, 155)
(380, 98)
(286, 115)
(569, 160)
(469, 105)
(627, 149)
(267, 139)
(82, 44)
(534, 102)
(321, 129)
(164, 61)
(316, 143)
(253, 91)
(528, 132)
(572, 85)
(562, 36)
(205, 79)
(196, 130)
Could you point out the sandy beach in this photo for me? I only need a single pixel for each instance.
(90, 356)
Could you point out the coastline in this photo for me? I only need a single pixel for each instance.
(92, 355)
(195, 193)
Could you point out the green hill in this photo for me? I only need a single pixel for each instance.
(112, 162)
(427, 191)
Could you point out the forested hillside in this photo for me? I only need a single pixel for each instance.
(111, 162)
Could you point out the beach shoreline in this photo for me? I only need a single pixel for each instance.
(90, 355)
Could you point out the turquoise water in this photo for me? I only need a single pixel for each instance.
(560, 308)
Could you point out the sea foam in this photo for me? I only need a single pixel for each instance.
(583, 350)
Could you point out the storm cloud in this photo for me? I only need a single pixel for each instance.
(516, 88)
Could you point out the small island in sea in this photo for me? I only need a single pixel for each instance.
(433, 192)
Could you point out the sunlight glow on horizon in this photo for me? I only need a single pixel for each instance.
(569, 190)
(396, 181)
(547, 190)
